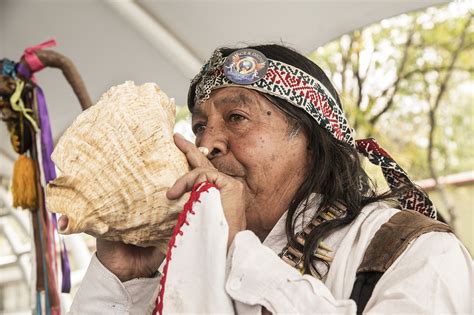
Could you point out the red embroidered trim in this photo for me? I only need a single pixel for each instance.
(188, 208)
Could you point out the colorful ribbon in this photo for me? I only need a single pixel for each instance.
(32, 59)
(65, 269)
(17, 104)
(49, 170)
(8, 68)
(47, 145)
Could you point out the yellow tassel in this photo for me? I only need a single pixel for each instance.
(24, 183)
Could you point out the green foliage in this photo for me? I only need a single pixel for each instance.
(182, 114)
(392, 74)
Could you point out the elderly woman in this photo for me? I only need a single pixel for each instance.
(279, 149)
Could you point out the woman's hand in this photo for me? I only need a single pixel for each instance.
(124, 260)
(128, 261)
(231, 190)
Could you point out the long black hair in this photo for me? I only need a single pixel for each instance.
(335, 170)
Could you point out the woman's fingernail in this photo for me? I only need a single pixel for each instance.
(169, 193)
(204, 150)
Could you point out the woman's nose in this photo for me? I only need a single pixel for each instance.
(215, 140)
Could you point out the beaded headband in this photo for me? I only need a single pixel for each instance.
(281, 80)
(250, 69)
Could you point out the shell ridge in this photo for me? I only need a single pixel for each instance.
(119, 157)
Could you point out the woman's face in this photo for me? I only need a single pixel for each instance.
(248, 139)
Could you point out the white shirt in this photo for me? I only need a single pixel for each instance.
(433, 276)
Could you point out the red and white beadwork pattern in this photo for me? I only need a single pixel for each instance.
(396, 177)
(291, 84)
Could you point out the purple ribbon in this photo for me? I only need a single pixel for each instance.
(49, 171)
(46, 137)
(47, 147)
(65, 269)
(23, 70)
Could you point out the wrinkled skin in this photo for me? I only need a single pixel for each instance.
(252, 159)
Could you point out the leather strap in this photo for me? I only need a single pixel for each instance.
(394, 236)
(389, 242)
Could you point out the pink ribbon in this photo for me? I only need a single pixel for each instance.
(32, 60)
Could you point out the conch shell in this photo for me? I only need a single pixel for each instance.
(116, 162)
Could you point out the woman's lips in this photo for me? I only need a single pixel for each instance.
(230, 171)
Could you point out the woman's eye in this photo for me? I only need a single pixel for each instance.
(199, 128)
(236, 117)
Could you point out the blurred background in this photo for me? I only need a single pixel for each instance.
(404, 70)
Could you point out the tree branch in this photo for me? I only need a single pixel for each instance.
(401, 67)
(409, 74)
(356, 72)
(346, 56)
